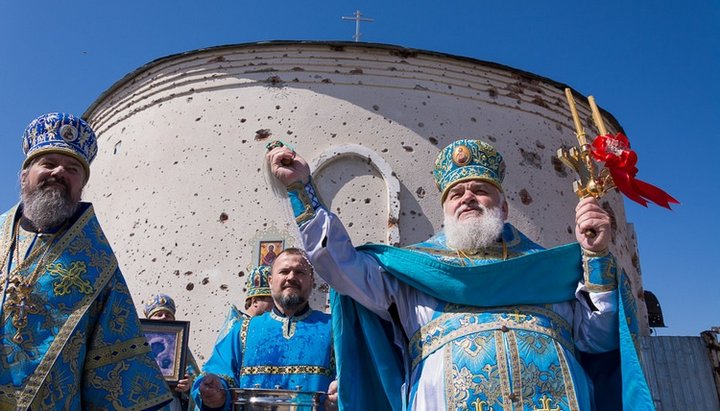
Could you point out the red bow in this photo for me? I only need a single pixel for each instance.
(620, 160)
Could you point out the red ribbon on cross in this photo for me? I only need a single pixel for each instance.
(620, 160)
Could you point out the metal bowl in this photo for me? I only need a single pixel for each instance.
(260, 399)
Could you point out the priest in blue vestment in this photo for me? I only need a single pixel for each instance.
(258, 299)
(478, 317)
(288, 348)
(69, 333)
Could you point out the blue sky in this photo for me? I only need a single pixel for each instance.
(652, 64)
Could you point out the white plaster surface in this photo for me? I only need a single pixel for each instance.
(178, 187)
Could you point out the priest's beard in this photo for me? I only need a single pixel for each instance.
(48, 205)
(292, 301)
(475, 233)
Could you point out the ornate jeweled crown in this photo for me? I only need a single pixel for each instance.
(257, 282)
(60, 133)
(468, 160)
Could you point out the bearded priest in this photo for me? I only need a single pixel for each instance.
(477, 317)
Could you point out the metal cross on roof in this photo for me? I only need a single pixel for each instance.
(358, 18)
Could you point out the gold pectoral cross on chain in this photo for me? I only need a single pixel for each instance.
(19, 306)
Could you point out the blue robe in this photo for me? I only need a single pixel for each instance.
(511, 295)
(74, 341)
(430, 327)
(273, 351)
(233, 317)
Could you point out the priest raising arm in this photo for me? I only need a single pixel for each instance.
(480, 316)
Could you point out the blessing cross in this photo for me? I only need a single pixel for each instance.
(358, 18)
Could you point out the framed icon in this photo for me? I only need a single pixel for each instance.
(168, 346)
(269, 250)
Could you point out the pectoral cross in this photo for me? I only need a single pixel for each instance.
(546, 402)
(19, 311)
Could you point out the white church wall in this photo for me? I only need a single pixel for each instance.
(178, 186)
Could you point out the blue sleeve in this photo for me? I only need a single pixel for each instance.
(119, 371)
(224, 362)
(600, 271)
(304, 201)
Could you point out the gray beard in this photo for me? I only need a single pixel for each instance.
(48, 207)
(476, 233)
(292, 302)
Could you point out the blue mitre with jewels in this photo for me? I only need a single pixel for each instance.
(159, 302)
(468, 160)
(61, 133)
(257, 284)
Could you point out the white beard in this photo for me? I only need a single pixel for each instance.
(475, 233)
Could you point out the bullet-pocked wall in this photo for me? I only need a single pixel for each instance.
(178, 185)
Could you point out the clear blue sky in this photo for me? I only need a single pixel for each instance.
(653, 64)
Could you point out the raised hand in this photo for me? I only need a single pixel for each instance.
(286, 165)
(590, 216)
